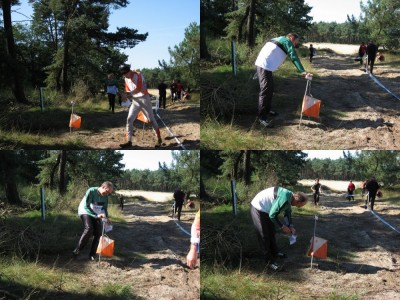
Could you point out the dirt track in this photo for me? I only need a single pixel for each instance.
(150, 255)
(106, 130)
(363, 253)
(355, 114)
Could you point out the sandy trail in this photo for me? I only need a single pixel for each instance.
(355, 113)
(150, 254)
(363, 253)
(105, 130)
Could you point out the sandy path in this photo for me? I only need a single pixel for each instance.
(363, 253)
(150, 255)
(355, 113)
(104, 130)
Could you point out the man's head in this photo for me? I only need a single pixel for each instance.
(317, 180)
(294, 38)
(124, 69)
(110, 76)
(299, 200)
(106, 188)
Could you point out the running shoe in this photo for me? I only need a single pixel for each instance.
(126, 145)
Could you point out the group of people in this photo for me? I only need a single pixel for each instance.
(93, 209)
(177, 92)
(371, 50)
(370, 188)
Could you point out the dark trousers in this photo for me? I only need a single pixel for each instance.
(178, 208)
(351, 197)
(266, 92)
(316, 198)
(371, 61)
(173, 95)
(92, 226)
(111, 101)
(371, 199)
(265, 232)
(162, 99)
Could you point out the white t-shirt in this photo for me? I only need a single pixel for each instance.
(263, 200)
(270, 57)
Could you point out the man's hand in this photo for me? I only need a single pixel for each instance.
(191, 258)
(101, 216)
(293, 230)
(286, 229)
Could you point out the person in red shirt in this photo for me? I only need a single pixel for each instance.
(179, 89)
(361, 51)
(350, 190)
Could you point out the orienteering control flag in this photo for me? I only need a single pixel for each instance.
(311, 107)
(318, 248)
(142, 117)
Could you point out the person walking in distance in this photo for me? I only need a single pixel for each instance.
(173, 88)
(350, 190)
(371, 51)
(372, 187)
(361, 51)
(162, 92)
(112, 90)
(179, 197)
(136, 91)
(312, 52)
(316, 188)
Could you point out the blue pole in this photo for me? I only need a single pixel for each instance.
(42, 203)
(233, 190)
(233, 58)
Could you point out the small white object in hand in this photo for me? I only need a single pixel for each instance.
(126, 103)
(292, 239)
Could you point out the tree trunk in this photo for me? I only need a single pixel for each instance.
(203, 43)
(65, 62)
(234, 5)
(53, 171)
(62, 187)
(12, 63)
(8, 165)
(247, 167)
(235, 172)
(250, 24)
(241, 24)
(203, 193)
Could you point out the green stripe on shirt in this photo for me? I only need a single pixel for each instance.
(291, 52)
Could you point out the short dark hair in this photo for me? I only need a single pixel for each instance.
(108, 184)
(302, 197)
(291, 34)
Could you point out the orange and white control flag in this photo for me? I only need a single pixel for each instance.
(75, 121)
(311, 107)
(142, 117)
(318, 247)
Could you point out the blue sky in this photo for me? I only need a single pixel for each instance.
(336, 10)
(145, 159)
(164, 20)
